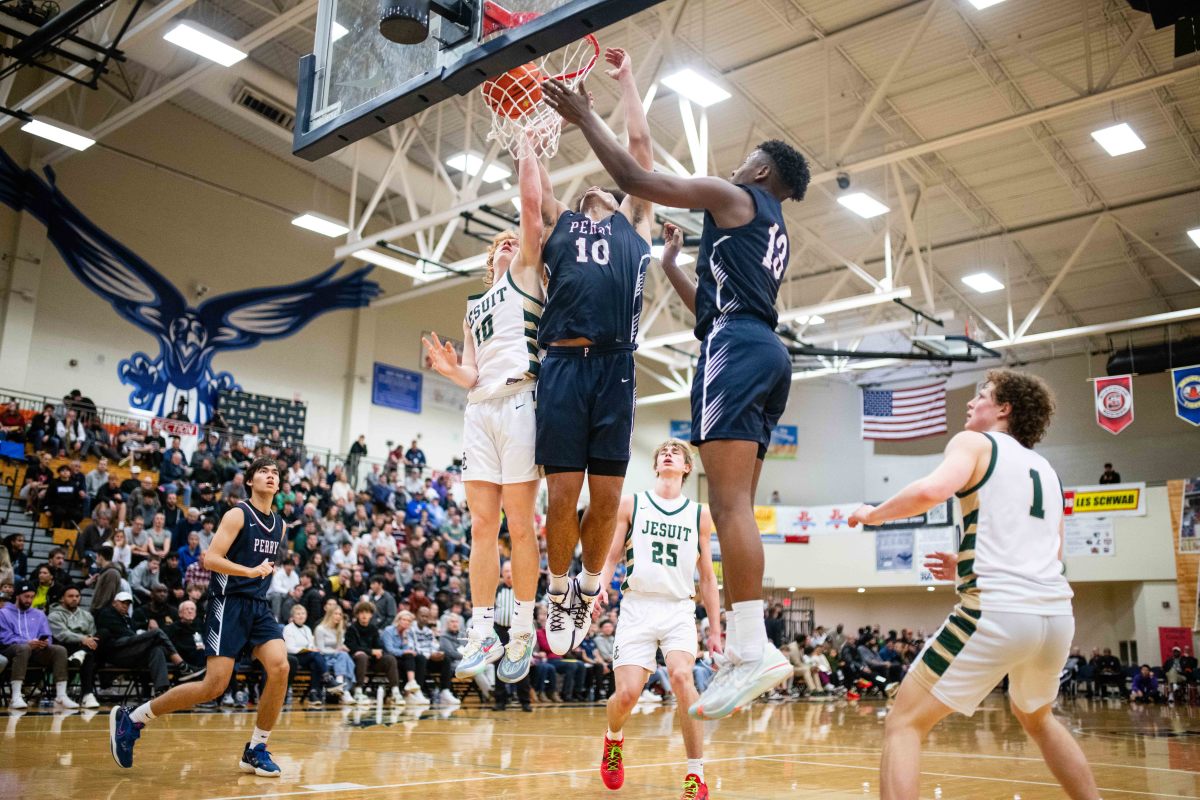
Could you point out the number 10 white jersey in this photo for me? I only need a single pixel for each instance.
(503, 324)
(662, 546)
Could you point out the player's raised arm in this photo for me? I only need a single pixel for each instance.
(616, 549)
(962, 455)
(532, 222)
(552, 207)
(641, 147)
(710, 595)
(684, 286)
(214, 559)
(444, 359)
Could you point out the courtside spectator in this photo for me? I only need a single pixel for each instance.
(74, 628)
(122, 645)
(329, 638)
(25, 638)
(185, 634)
(303, 654)
(1145, 687)
(366, 648)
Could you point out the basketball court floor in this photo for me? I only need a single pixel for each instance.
(806, 749)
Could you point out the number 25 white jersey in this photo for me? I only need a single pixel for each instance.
(662, 546)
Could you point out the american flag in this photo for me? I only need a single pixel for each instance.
(904, 413)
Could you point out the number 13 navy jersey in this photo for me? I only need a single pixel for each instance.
(597, 273)
(740, 269)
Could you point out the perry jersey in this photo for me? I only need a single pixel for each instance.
(740, 269)
(662, 546)
(1009, 556)
(597, 274)
(259, 538)
(503, 325)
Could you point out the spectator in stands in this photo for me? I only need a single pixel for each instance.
(43, 430)
(366, 648)
(12, 424)
(312, 595)
(25, 637)
(74, 628)
(143, 500)
(95, 535)
(159, 612)
(1107, 671)
(428, 645)
(415, 456)
(358, 451)
(111, 497)
(106, 561)
(122, 645)
(64, 500)
(329, 639)
(45, 592)
(98, 441)
(775, 625)
(185, 635)
(171, 575)
(159, 538)
(1110, 475)
(174, 517)
(400, 640)
(283, 581)
(454, 535)
(14, 543)
(204, 471)
(144, 576)
(1145, 687)
(71, 434)
(384, 602)
(302, 654)
(1179, 669)
(139, 539)
(57, 562)
(234, 489)
(173, 477)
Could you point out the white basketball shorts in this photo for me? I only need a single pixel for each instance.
(498, 440)
(967, 658)
(649, 622)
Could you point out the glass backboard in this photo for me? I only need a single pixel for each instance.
(357, 83)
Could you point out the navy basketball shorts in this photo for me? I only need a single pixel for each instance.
(235, 622)
(585, 404)
(741, 384)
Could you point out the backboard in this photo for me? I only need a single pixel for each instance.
(357, 83)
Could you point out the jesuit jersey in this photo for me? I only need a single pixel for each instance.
(597, 273)
(740, 268)
(662, 546)
(259, 538)
(503, 322)
(1009, 557)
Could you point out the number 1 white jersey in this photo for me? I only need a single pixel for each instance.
(503, 324)
(1009, 556)
(662, 546)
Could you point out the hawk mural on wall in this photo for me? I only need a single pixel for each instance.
(188, 336)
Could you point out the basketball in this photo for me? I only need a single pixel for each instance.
(516, 92)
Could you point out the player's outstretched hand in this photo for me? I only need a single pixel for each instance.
(442, 356)
(622, 64)
(572, 106)
(264, 569)
(861, 516)
(672, 243)
(714, 640)
(943, 566)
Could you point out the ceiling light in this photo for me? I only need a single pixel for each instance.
(861, 590)
(1118, 139)
(656, 250)
(388, 262)
(695, 87)
(336, 31)
(863, 204)
(815, 319)
(982, 282)
(1195, 234)
(929, 588)
(318, 223)
(60, 133)
(212, 46)
(471, 163)
(982, 4)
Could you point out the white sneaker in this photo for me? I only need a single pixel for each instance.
(447, 697)
(412, 686)
(418, 698)
(360, 697)
(560, 626)
(78, 656)
(347, 699)
(17, 702)
(65, 702)
(90, 701)
(397, 698)
(649, 697)
(746, 681)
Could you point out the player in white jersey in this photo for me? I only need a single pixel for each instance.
(1014, 614)
(663, 538)
(499, 368)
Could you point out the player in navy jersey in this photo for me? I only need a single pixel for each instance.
(744, 373)
(242, 558)
(596, 255)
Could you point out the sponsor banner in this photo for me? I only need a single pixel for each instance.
(1113, 500)
(174, 427)
(1114, 402)
(932, 540)
(893, 551)
(1090, 536)
(681, 429)
(785, 442)
(938, 515)
(1186, 383)
(1189, 519)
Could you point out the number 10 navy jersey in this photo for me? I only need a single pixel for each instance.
(740, 268)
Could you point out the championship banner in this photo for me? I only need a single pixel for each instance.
(1186, 381)
(1114, 403)
(1113, 500)
(174, 427)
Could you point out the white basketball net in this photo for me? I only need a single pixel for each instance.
(535, 129)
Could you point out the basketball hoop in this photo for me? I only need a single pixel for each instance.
(521, 121)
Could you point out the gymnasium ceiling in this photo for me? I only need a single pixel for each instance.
(973, 126)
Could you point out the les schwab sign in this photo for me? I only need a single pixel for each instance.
(1113, 500)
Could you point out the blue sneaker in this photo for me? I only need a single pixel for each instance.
(257, 760)
(517, 655)
(123, 733)
(478, 653)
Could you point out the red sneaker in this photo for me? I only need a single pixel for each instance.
(853, 695)
(612, 766)
(694, 788)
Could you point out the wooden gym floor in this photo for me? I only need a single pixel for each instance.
(793, 750)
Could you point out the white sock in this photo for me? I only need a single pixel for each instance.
(16, 688)
(60, 690)
(696, 767)
(483, 620)
(615, 737)
(589, 583)
(751, 629)
(522, 616)
(259, 737)
(142, 714)
(558, 584)
(731, 638)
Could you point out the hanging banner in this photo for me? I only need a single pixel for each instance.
(1114, 402)
(785, 442)
(928, 541)
(1189, 535)
(681, 429)
(1186, 381)
(893, 551)
(1169, 638)
(1113, 500)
